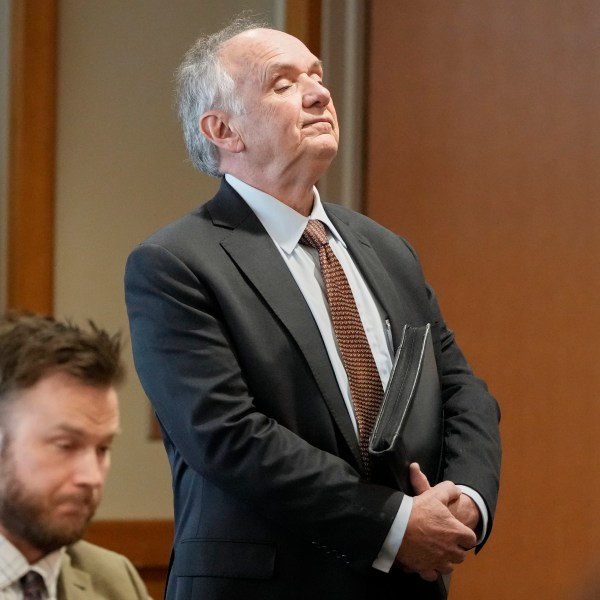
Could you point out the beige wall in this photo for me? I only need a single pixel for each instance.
(122, 172)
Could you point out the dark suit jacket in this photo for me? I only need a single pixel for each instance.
(89, 572)
(269, 502)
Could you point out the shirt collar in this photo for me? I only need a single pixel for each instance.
(13, 565)
(283, 224)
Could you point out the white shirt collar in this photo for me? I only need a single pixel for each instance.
(283, 224)
(13, 565)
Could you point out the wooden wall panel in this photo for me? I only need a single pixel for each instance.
(30, 280)
(303, 20)
(483, 150)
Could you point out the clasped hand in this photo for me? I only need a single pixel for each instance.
(440, 529)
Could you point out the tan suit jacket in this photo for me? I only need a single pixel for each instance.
(89, 572)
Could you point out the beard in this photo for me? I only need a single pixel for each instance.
(36, 519)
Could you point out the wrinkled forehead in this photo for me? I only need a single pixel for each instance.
(254, 50)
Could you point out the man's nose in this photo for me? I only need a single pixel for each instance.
(315, 93)
(91, 469)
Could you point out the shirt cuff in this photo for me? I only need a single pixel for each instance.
(483, 511)
(387, 555)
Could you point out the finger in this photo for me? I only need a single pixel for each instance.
(456, 557)
(429, 575)
(446, 569)
(467, 538)
(447, 493)
(418, 479)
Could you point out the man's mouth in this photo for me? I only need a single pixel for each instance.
(77, 504)
(317, 121)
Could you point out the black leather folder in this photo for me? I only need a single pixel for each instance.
(410, 426)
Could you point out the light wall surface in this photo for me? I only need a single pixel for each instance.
(122, 173)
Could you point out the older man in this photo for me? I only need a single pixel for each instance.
(247, 317)
(58, 418)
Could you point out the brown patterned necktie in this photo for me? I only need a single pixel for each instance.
(363, 377)
(33, 586)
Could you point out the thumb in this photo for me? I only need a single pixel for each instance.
(418, 479)
(448, 493)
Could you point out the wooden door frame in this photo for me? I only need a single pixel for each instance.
(32, 155)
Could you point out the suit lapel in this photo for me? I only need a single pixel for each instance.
(73, 583)
(253, 251)
(374, 273)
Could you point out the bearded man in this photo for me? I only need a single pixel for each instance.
(58, 417)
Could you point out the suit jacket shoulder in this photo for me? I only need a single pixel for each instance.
(89, 572)
(366, 227)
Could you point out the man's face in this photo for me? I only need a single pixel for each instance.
(289, 123)
(54, 460)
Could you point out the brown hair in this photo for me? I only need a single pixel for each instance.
(34, 346)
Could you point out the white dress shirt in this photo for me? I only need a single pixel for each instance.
(13, 565)
(285, 227)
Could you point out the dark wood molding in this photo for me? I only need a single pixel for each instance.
(32, 155)
(303, 20)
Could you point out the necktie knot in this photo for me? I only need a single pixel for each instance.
(315, 235)
(33, 586)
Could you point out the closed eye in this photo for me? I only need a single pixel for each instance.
(283, 85)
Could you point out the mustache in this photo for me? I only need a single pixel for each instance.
(84, 497)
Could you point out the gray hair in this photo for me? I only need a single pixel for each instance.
(203, 84)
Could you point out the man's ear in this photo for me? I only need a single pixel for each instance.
(215, 125)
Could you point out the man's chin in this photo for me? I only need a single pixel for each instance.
(61, 533)
(328, 151)
(68, 526)
(325, 144)
(73, 520)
